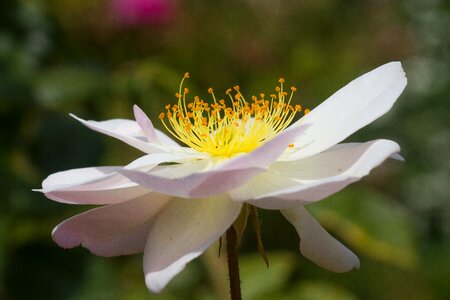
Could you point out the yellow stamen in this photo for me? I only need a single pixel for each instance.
(223, 129)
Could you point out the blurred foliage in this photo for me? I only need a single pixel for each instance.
(58, 57)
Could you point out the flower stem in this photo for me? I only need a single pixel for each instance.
(233, 264)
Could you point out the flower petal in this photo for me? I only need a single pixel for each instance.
(153, 135)
(317, 245)
(166, 140)
(145, 124)
(75, 177)
(102, 185)
(182, 232)
(99, 196)
(116, 229)
(97, 185)
(200, 179)
(314, 178)
(354, 106)
(127, 131)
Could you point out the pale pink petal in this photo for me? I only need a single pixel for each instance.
(200, 179)
(127, 131)
(97, 185)
(102, 185)
(145, 124)
(316, 177)
(190, 180)
(317, 245)
(357, 104)
(166, 140)
(182, 231)
(75, 177)
(116, 229)
(97, 196)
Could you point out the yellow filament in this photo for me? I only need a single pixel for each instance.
(222, 129)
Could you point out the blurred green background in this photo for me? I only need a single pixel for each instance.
(98, 58)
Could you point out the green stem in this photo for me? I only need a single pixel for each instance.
(233, 264)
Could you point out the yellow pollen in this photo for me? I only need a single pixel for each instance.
(225, 128)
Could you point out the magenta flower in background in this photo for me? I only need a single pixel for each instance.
(175, 201)
(144, 12)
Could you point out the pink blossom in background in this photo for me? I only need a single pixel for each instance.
(143, 12)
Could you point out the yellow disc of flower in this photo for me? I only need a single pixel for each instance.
(225, 128)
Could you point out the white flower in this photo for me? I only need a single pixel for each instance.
(175, 201)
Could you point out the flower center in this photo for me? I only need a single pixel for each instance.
(225, 128)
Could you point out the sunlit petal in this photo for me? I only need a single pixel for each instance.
(317, 244)
(316, 177)
(102, 185)
(182, 232)
(127, 131)
(145, 124)
(354, 106)
(116, 229)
